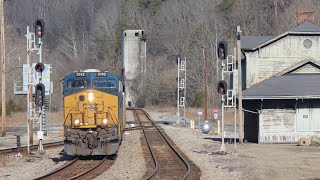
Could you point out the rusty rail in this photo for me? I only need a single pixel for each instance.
(79, 169)
(24, 148)
(183, 160)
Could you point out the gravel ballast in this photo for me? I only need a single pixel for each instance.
(247, 161)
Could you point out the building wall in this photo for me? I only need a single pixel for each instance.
(289, 125)
(276, 124)
(278, 56)
(308, 68)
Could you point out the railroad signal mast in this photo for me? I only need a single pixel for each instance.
(222, 86)
(36, 110)
(181, 87)
(228, 99)
(40, 89)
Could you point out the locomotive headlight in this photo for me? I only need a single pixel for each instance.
(105, 121)
(76, 122)
(90, 96)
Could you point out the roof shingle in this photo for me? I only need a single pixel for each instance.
(289, 86)
(305, 27)
(250, 42)
(253, 42)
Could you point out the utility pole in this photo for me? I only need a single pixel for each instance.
(30, 85)
(205, 85)
(3, 72)
(239, 84)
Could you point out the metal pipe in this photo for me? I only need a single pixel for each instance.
(223, 148)
(178, 93)
(253, 112)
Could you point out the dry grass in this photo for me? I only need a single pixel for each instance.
(20, 119)
(191, 113)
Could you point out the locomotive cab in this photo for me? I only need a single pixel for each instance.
(93, 112)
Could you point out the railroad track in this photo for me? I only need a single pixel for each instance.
(81, 168)
(32, 147)
(168, 162)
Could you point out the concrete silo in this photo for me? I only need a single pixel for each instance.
(133, 59)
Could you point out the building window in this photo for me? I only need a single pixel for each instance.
(307, 43)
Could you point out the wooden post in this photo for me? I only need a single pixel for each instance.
(239, 85)
(205, 85)
(3, 72)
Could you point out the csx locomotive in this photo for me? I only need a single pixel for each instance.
(94, 117)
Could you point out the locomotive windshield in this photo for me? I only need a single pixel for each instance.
(74, 83)
(103, 83)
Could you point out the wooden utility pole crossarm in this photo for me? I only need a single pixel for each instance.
(3, 67)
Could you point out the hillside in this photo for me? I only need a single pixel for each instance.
(83, 34)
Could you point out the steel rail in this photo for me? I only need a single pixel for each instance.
(149, 146)
(174, 149)
(86, 172)
(59, 169)
(13, 150)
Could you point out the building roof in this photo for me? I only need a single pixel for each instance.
(290, 86)
(252, 43)
(305, 27)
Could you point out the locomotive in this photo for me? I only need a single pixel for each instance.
(94, 113)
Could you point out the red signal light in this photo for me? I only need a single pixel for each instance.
(39, 94)
(39, 67)
(221, 90)
(222, 50)
(39, 28)
(222, 87)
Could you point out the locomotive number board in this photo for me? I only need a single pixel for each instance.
(80, 74)
(101, 74)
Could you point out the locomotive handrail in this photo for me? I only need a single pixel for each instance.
(112, 117)
(68, 116)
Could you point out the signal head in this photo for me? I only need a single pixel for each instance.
(39, 67)
(39, 95)
(222, 87)
(222, 50)
(39, 28)
(178, 58)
